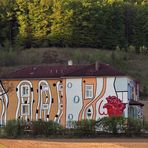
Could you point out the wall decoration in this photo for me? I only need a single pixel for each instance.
(114, 106)
(140, 113)
(101, 113)
(4, 103)
(76, 99)
(69, 85)
(71, 93)
(60, 105)
(70, 116)
(25, 109)
(67, 101)
(44, 101)
(24, 96)
(100, 85)
(89, 113)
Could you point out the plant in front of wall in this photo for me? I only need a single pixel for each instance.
(13, 128)
(45, 128)
(85, 127)
(134, 126)
(111, 124)
(145, 126)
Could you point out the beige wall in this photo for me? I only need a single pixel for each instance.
(145, 109)
(13, 100)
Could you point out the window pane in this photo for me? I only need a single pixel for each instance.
(25, 90)
(89, 91)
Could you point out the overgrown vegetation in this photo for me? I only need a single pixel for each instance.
(13, 128)
(107, 126)
(120, 25)
(131, 63)
(112, 124)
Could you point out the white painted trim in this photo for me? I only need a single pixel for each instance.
(18, 104)
(6, 105)
(19, 96)
(59, 103)
(90, 91)
(97, 95)
(3, 98)
(26, 86)
(2, 111)
(40, 103)
(28, 113)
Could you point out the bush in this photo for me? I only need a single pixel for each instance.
(134, 126)
(111, 124)
(85, 127)
(13, 129)
(45, 128)
(8, 58)
(145, 125)
(143, 49)
(131, 49)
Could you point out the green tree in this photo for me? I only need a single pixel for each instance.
(8, 23)
(61, 28)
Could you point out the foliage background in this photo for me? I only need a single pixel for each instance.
(74, 23)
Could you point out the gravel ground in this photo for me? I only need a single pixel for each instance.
(75, 143)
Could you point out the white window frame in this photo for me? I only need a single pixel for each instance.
(22, 91)
(45, 87)
(22, 109)
(70, 117)
(45, 106)
(89, 91)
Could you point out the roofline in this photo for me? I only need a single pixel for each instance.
(30, 78)
(63, 77)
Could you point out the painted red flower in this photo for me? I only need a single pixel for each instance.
(114, 106)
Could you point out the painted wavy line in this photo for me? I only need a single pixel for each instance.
(94, 100)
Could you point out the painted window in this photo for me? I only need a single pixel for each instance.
(70, 116)
(60, 87)
(45, 106)
(25, 90)
(69, 85)
(76, 99)
(25, 109)
(88, 91)
(45, 88)
(89, 113)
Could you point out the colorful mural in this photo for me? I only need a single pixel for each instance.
(24, 92)
(114, 106)
(4, 102)
(66, 100)
(44, 101)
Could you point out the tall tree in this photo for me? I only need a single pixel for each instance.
(61, 29)
(8, 22)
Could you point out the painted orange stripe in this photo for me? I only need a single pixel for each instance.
(95, 100)
(83, 102)
(63, 117)
(102, 94)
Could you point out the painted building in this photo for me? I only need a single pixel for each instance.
(68, 93)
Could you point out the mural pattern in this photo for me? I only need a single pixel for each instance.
(4, 101)
(44, 101)
(67, 100)
(24, 92)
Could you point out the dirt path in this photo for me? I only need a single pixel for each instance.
(76, 143)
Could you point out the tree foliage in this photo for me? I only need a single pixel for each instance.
(74, 23)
